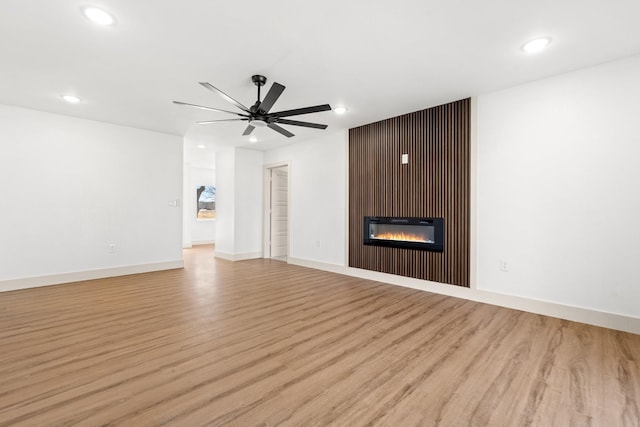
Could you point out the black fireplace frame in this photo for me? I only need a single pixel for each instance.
(437, 223)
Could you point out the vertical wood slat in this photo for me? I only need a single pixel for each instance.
(435, 183)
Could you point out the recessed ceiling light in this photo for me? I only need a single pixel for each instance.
(340, 110)
(98, 16)
(201, 146)
(253, 140)
(536, 45)
(71, 99)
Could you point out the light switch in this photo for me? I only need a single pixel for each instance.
(405, 159)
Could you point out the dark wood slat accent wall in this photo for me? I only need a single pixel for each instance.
(435, 183)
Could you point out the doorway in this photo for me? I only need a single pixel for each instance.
(277, 213)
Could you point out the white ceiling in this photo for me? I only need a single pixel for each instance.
(379, 58)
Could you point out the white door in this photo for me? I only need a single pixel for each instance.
(279, 212)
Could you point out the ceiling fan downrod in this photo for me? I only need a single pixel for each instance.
(259, 81)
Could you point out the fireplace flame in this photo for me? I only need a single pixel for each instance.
(405, 237)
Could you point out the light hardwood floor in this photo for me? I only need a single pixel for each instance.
(263, 343)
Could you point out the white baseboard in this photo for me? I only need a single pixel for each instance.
(56, 279)
(237, 257)
(202, 242)
(577, 314)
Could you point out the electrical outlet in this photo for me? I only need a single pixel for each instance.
(111, 248)
(504, 266)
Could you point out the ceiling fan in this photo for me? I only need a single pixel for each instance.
(258, 114)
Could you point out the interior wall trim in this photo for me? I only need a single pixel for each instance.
(237, 257)
(202, 242)
(473, 193)
(603, 319)
(78, 276)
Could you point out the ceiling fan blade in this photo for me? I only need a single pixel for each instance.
(206, 122)
(271, 98)
(225, 96)
(298, 111)
(248, 130)
(202, 107)
(297, 123)
(279, 129)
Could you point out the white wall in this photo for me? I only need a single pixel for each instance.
(558, 196)
(225, 200)
(248, 203)
(70, 187)
(238, 203)
(318, 189)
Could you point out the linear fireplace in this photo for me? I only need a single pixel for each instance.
(404, 232)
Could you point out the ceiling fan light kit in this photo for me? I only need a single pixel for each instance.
(259, 115)
(258, 123)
